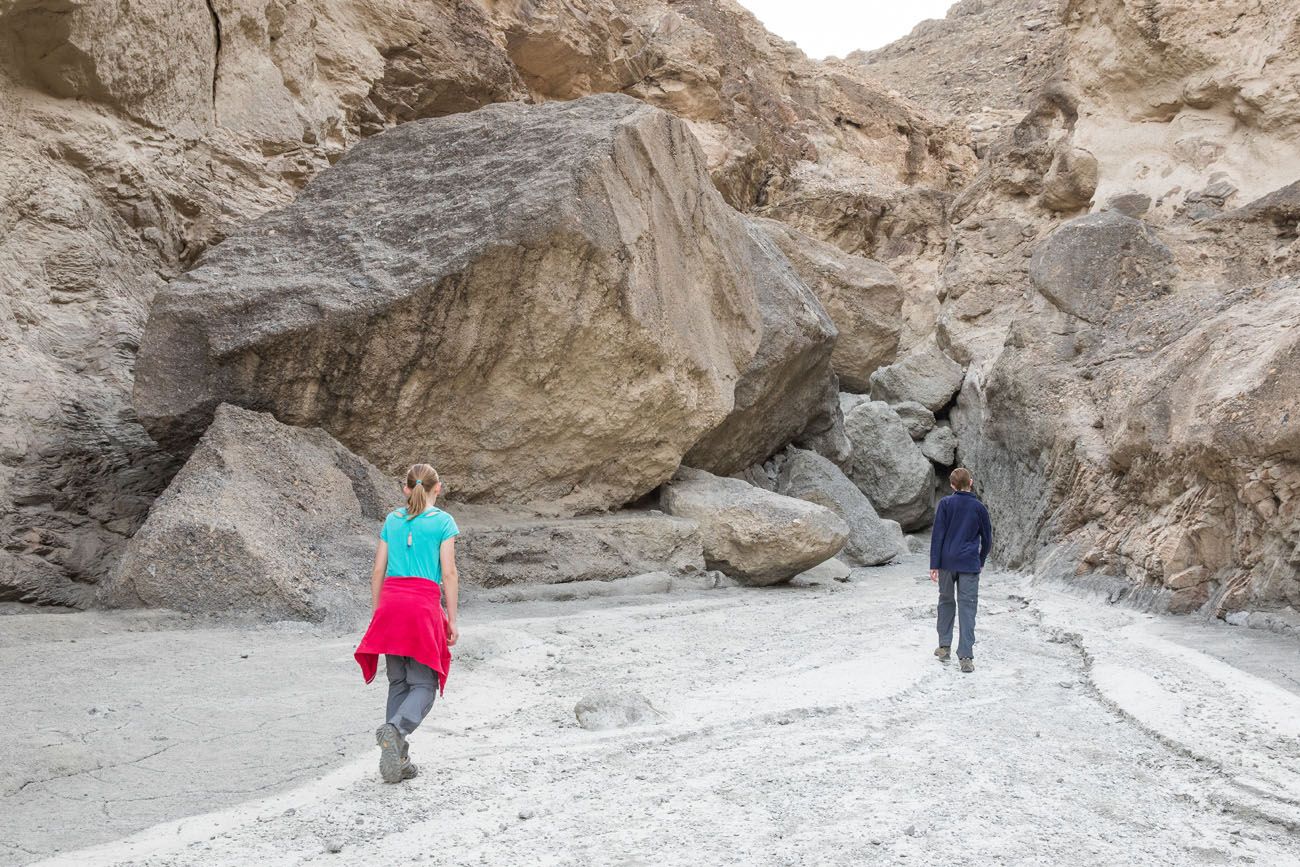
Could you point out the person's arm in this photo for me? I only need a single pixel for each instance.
(986, 535)
(450, 585)
(377, 572)
(936, 540)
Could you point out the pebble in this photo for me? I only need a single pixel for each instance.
(334, 845)
(526, 814)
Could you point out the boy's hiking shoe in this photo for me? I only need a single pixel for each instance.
(967, 666)
(390, 742)
(943, 653)
(410, 770)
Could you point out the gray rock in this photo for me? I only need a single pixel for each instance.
(925, 375)
(264, 519)
(1094, 264)
(1130, 204)
(919, 420)
(614, 709)
(863, 298)
(1070, 182)
(848, 400)
(551, 301)
(825, 433)
(502, 546)
(788, 385)
(888, 466)
(940, 446)
(872, 540)
(753, 535)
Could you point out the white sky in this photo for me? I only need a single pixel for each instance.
(836, 27)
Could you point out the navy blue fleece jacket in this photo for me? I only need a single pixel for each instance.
(962, 534)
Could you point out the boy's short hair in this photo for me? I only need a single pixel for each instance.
(959, 479)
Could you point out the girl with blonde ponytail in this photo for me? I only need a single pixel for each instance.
(413, 577)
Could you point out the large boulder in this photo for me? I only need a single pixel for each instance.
(888, 466)
(863, 297)
(788, 386)
(809, 476)
(1093, 264)
(552, 303)
(264, 519)
(499, 547)
(925, 375)
(754, 535)
(919, 420)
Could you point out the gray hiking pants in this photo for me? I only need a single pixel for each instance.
(967, 587)
(412, 687)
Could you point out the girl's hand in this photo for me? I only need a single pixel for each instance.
(453, 635)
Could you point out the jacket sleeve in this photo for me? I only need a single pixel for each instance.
(936, 535)
(986, 535)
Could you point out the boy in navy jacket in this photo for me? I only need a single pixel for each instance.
(959, 545)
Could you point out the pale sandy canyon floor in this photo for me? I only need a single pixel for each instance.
(803, 725)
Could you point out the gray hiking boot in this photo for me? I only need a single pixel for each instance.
(943, 652)
(410, 770)
(391, 745)
(967, 666)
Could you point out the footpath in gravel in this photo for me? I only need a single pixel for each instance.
(800, 725)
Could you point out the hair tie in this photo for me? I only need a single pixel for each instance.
(420, 482)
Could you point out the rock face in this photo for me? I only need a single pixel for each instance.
(499, 548)
(788, 386)
(863, 298)
(753, 535)
(1093, 263)
(888, 466)
(926, 376)
(872, 540)
(264, 519)
(565, 333)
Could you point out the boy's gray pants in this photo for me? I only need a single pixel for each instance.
(967, 586)
(412, 687)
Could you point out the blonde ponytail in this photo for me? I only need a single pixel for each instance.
(421, 479)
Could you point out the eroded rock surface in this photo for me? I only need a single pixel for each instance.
(888, 466)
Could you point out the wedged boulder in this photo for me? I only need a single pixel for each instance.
(825, 434)
(499, 547)
(925, 375)
(940, 446)
(753, 535)
(788, 385)
(551, 302)
(872, 539)
(863, 297)
(1094, 264)
(919, 420)
(888, 466)
(264, 519)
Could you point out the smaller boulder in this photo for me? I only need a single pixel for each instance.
(614, 709)
(940, 446)
(755, 536)
(888, 466)
(872, 539)
(264, 519)
(919, 420)
(925, 375)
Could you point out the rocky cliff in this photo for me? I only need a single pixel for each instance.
(1064, 231)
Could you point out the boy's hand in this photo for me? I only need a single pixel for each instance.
(453, 635)
(934, 575)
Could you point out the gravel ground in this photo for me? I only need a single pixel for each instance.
(803, 725)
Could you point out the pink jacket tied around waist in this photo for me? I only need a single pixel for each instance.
(409, 621)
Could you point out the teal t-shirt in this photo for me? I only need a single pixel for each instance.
(413, 545)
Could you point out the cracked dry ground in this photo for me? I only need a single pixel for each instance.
(803, 725)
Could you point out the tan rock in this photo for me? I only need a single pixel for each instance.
(561, 336)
